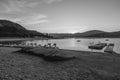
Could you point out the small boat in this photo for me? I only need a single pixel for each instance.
(78, 40)
(109, 48)
(107, 40)
(98, 46)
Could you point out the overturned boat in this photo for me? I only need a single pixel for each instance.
(98, 46)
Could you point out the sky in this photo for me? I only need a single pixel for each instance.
(63, 16)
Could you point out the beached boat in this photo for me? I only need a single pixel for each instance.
(109, 48)
(98, 46)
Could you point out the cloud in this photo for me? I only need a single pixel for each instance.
(24, 12)
(11, 5)
(30, 19)
(51, 1)
(33, 19)
(21, 5)
(17, 11)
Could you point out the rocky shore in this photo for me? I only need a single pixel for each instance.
(86, 66)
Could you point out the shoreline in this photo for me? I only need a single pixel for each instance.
(21, 66)
(24, 39)
(14, 39)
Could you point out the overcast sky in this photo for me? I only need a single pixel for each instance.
(63, 15)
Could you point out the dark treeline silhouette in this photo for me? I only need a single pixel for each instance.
(11, 29)
(88, 34)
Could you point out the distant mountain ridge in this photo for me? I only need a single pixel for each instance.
(107, 34)
(11, 29)
(88, 34)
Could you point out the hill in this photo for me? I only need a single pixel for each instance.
(88, 33)
(107, 34)
(11, 29)
(91, 33)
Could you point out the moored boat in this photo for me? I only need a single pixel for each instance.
(107, 40)
(78, 40)
(98, 46)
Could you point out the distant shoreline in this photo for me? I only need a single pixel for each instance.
(17, 39)
(14, 39)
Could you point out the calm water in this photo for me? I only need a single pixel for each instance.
(72, 43)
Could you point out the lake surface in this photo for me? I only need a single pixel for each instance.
(74, 44)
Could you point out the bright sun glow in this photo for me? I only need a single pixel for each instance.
(73, 32)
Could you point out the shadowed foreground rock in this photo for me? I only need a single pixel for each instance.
(49, 53)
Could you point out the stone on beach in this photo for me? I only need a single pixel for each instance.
(56, 54)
